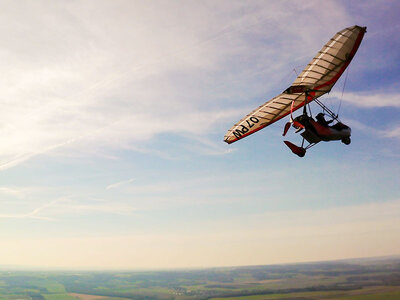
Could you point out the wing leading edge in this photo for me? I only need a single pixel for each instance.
(317, 78)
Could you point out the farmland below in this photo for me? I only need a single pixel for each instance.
(347, 279)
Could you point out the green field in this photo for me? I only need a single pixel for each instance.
(58, 297)
(362, 294)
(360, 279)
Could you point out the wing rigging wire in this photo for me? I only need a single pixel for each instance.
(344, 86)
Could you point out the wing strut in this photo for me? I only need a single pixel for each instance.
(305, 103)
(325, 108)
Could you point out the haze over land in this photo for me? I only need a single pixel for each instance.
(374, 278)
(112, 119)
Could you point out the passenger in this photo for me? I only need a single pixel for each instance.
(321, 120)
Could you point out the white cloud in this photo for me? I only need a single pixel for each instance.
(393, 133)
(12, 192)
(370, 100)
(76, 207)
(110, 75)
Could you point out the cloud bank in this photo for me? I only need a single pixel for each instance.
(88, 75)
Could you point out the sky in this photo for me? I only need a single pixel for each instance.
(112, 121)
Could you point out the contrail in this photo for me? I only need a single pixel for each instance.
(33, 213)
(13, 162)
(118, 184)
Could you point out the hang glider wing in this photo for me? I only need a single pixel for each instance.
(328, 65)
(266, 114)
(316, 79)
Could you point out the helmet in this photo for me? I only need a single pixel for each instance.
(320, 118)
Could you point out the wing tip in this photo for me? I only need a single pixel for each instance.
(364, 28)
(229, 140)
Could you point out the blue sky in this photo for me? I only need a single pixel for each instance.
(112, 121)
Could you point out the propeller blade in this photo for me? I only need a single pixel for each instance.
(287, 126)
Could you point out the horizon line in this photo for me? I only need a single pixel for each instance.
(8, 268)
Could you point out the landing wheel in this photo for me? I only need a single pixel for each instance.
(346, 140)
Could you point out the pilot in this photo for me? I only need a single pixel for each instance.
(321, 120)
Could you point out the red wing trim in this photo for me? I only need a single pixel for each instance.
(261, 127)
(352, 53)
